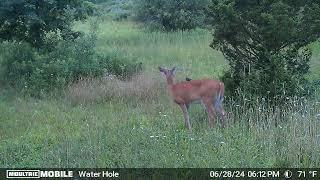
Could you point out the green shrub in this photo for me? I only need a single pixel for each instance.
(121, 66)
(276, 79)
(172, 14)
(117, 9)
(266, 44)
(37, 72)
(29, 20)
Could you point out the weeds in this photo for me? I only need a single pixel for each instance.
(142, 87)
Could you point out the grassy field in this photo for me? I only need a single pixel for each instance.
(109, 123)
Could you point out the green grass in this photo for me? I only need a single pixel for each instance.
(139, 128)
(49, 133)
(188, 50)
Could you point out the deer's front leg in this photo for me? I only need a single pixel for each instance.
(186, 116)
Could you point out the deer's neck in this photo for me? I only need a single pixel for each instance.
(170, 81)
(170, 85)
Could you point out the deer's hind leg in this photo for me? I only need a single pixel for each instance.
(207, 102)
(219, 108)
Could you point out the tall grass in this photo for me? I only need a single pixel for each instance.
(94, 90)
(119, 133)
(188, 50)
(110, 123)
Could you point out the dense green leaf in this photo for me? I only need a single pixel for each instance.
(265, 43)
(29, 20)
(172, 14)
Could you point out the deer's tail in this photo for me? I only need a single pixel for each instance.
(221, 92)
(220, 97)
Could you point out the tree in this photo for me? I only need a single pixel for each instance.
(29, 20)
(172, 15)
(265, 42)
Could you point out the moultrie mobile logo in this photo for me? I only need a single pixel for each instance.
(38, 174)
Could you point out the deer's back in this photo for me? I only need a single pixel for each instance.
(186, 92)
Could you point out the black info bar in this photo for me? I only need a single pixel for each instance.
(162, 173)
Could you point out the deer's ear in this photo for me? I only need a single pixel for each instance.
(173, 70)
(162, 71)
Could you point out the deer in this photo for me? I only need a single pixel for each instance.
(209, 91)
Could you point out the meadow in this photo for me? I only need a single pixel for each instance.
(111, 123)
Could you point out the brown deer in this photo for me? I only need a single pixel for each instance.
(209, 91)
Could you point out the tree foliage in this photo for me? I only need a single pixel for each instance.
(265, 42)
(29, 20)
(172, 14)
(40, 52)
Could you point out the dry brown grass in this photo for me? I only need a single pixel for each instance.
(144, 86)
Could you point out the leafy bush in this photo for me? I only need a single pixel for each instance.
(116, 9)
(172, 14)
(266, 44)
(121, 66)
(28, 21)
(37, 72)
(99, 1)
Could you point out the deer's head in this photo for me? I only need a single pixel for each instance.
(169, 74)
